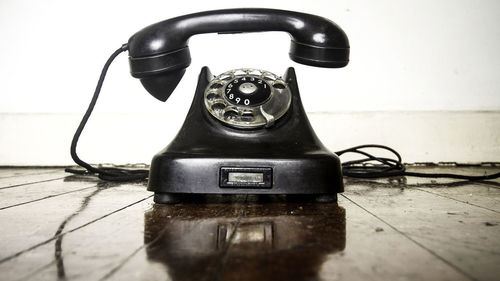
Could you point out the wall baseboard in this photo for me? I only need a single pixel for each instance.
(121, 138)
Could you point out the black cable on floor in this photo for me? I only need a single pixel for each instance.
(390, 167)
(108, 174)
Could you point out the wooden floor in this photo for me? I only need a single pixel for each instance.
(55, 226)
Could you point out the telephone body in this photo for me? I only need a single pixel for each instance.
(246, 131)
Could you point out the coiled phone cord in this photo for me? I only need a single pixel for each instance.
(386, 167)
(108, 174)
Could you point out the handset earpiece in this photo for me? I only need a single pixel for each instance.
(159, 53)
(159, 73)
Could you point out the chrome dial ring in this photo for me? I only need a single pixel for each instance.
(247, 98)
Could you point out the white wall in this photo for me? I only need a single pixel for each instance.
(428, 55)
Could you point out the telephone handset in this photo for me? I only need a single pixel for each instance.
(159, 53)
(246, 131)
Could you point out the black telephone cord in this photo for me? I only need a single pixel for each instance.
(386, 167)
(108, 174)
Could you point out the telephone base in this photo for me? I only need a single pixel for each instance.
(209, 158)
(175, 176)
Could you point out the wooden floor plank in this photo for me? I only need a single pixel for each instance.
(33, 226)
(457, 232)
(138, 266)
(484, 194)
(85, 254)
(480, 195)
(11, 172)
(24, 194)
(13, 182)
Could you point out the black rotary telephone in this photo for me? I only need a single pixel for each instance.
(247, 131)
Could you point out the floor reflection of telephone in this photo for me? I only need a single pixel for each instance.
(192, 242)
(246, 131)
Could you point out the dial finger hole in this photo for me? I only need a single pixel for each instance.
(212, 96)
(247, 117)
(230, 115)
(216, 86)
(218, 107)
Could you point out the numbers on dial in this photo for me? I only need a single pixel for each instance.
(247, 91)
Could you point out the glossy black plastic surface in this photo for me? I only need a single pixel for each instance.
(192, 163)
(161, 50)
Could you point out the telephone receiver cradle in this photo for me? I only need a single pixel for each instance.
(246, 131)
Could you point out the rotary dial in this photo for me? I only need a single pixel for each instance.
(247, 98)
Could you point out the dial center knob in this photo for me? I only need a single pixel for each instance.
(247, 88)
